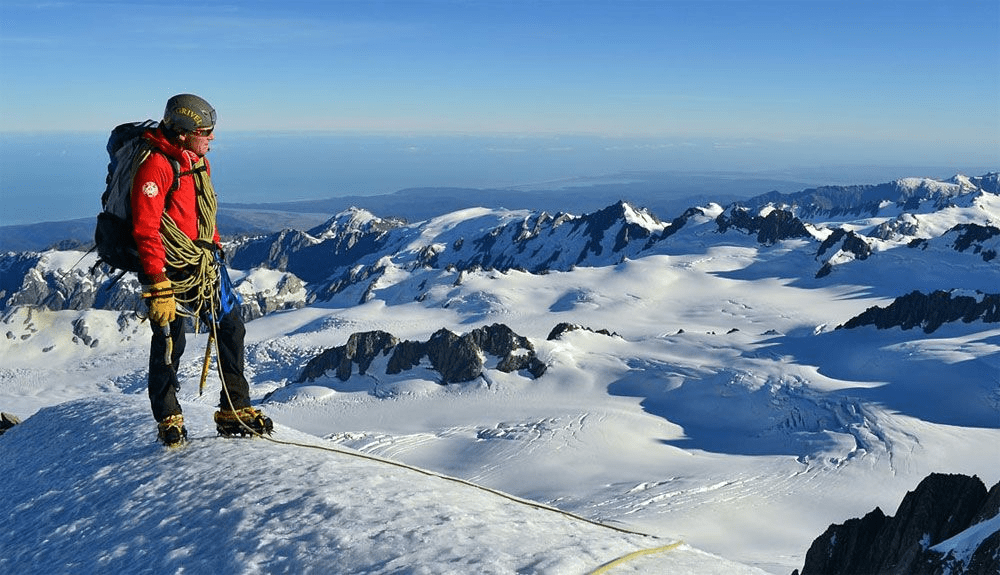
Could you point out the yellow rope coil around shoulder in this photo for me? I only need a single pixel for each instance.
(199, 288)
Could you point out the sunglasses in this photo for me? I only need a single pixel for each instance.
(203, 132)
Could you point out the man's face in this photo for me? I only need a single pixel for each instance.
(198, 141)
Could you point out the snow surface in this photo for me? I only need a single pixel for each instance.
(725, 412)
(99, 497)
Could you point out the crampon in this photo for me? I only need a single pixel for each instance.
(171, 432)
(243, 422)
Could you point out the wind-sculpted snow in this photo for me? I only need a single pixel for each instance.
(98, 495)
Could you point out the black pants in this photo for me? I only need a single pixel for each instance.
(163, 384)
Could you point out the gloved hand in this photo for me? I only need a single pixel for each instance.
(160, 297)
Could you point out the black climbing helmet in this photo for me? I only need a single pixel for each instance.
(187, 113)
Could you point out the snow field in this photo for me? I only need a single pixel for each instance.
(726, 412)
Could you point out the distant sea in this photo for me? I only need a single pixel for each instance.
(60, 176)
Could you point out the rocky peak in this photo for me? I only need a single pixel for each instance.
(941, 507)
(770, 225)
(325, 250)
(354, 221)
(976, 236)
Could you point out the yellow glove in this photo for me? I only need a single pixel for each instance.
(160, 297)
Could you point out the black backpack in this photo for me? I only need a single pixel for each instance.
(127, 149)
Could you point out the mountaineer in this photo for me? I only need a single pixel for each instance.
(173, 208)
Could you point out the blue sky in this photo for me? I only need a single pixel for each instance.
(889, 77)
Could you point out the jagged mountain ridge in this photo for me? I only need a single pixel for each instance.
(963, 220)
(314, 253)
(912, 222)
(929, 534)
(907, 193)
(540, 242)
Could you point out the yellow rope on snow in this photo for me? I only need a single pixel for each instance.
(200, 288)
(497, 492)
(370, 457)
(625, 558)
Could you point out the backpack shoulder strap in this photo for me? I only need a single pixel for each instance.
(177, 174)
(177, 170)
(198, 168)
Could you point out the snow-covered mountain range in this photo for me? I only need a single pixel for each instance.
(738, 377)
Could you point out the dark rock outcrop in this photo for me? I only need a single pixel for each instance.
(929, 311)
(457, 358)
(974, 235)
(566, 327)
(846, 548)
(831, 240)
(941, 507)
(361, 349)
(777, 225)
(855, 244)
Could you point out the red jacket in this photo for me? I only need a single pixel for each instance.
(149, 189)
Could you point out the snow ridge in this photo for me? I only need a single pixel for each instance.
(103, 500)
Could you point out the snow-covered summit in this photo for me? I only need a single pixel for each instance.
(931, 187)
(352, 220)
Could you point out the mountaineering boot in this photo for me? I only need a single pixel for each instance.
(242, 422)
(171, 431)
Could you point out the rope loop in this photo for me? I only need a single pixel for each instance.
(200, 286)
